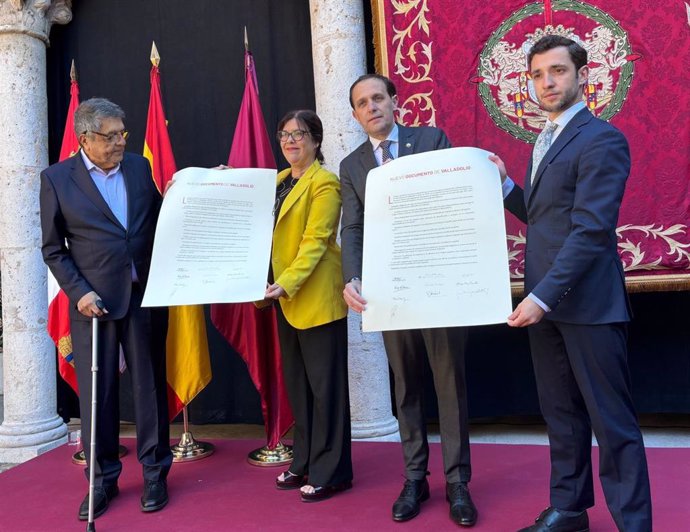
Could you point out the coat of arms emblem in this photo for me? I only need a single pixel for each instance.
(503, 78)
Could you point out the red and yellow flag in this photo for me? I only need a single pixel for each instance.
(188, 361)
(58, 302)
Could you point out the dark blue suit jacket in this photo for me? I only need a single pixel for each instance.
(571, 211)
(99, 251)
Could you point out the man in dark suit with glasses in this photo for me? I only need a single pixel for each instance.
(98, 215)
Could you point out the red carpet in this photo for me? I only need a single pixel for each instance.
(223, 492)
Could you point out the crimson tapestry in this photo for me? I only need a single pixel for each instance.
(462, 66)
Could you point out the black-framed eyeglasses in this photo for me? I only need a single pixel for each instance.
(296, 135)
(111, 138)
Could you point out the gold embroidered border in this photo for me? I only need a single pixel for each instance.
(631, 250)
(413, 56)
(378, 15)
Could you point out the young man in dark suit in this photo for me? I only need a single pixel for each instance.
(576, 306)
(373, 99)
(98, 215)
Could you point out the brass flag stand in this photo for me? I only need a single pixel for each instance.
(265, 457)
(190, 449)
(79, 458)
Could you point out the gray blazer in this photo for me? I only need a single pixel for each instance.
(353, 178)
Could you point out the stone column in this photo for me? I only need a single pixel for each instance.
(31, 425)
(338, 51)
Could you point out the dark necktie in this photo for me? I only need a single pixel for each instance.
(386, 155)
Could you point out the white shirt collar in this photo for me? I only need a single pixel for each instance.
(392, 136)
(91, 167)
(567, 115)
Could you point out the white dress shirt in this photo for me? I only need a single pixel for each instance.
(393, 137)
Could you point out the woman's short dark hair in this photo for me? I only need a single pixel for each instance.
(578, 54)
(310, 121)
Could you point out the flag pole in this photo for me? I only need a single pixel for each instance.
(188, 449)
(155, 56)
(281, 454)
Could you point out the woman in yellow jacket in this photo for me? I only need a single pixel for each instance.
(306, 280)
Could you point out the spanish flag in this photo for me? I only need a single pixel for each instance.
(188, 361)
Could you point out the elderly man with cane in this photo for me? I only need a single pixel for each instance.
(98, 215)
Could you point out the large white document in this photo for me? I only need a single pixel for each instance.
(435, 251)
(213, 238)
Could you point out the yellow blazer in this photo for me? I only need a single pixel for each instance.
(306, 258)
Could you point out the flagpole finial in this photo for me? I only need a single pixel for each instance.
(73, 72)
(155, 56)
(246, 40)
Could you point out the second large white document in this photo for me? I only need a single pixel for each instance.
(435, 251)
(213, 238)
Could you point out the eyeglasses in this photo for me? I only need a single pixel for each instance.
(111, 138)
(296, 135)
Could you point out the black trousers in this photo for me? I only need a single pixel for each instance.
(141, 332)
(584, 386)
(445, 350)
(316, 379)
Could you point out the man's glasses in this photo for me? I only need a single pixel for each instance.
(111, 138)
(296, 135)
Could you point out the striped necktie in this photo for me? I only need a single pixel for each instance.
(386, 155)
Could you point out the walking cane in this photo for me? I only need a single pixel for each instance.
(91, 526)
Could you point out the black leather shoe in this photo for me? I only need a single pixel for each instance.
(155, 495)
(463, 512)
(407, 505)
(551, 520)
(102, 495)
